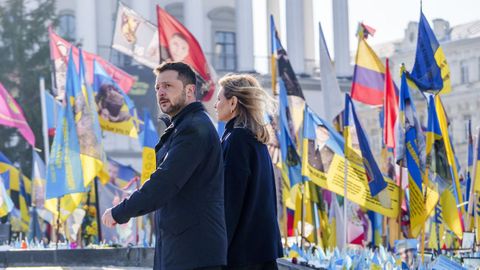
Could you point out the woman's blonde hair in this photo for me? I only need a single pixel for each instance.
(253, 103)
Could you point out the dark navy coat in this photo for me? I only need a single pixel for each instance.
(250, 199)
(186, 191)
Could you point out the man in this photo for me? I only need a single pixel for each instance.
(186, 190)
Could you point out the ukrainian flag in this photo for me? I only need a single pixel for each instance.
(6, 204)
(149, 138)
(64, 173)
(291, 163)
(273, 54)
(92, 155)
(430, 71)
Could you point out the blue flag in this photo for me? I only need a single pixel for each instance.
(64, 174)
(291, 163)
(149, 138)
(374, 175)
(430, 71)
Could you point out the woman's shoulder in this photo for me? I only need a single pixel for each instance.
(241, 133)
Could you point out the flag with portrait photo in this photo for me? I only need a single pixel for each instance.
(59, 49)
(11, 115)
(136, 37)
(116, 111)
(92, 154)
(181, 45)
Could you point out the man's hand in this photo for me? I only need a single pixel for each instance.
(107, 218)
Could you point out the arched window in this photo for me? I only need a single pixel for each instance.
(66, 27)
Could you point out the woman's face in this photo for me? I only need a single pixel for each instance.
(224, 107)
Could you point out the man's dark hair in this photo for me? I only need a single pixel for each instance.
(185, 72)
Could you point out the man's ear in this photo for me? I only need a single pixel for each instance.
(191, 90)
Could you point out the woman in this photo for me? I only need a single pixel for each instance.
(250, 201)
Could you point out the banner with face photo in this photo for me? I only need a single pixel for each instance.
(59, 49)
(116, 111)
(136, 37)
(122, 183)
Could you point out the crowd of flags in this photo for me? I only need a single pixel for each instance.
(335, 192)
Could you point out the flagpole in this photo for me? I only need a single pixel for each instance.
(302, 227)
(399, 218)
(46, 149)
(472, 182)
(345, 202)
(97, 205)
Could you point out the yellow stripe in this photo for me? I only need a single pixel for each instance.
(367, 58)
(444, 69)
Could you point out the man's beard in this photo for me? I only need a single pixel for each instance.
(177, 105)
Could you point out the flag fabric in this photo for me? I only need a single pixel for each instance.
(273, 55)
(476, 163)
(291, 163)
(111, 194)
(150, 139)
(38, 180)
(11, 115)
(181, 45)
(6, 203)
(92, 155)
(442, 120)
(53, 108)
(116, 111)
(411, 149)
(294, 93)
(59, 49)
(390, 108)
(430, 71)
(359, 148)
(137, 37)
(64, 174)
(450, 213)
(331, 94)
(368, 81)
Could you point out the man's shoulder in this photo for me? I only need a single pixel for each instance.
(199, 123)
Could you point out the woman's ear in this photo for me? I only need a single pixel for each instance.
(234, 102)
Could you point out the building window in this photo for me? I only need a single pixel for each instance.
(66, 27)
(225, 58)
(466, 119)
(464, 72)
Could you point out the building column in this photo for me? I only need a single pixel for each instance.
(194, 16)
(295, 35)
(244, 35)
(341, 38)
(309, 39)
(86, 28)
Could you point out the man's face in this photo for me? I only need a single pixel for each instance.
(178, 48)
(171, 93)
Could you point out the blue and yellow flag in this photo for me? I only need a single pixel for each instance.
(116, 111)
(94, 159)
(291, 163)
(64, 174)
(6, 203)
(411, 151)
(273, 54)
(450, 212)
(357, 147)
(430, 71)
(149, 138)
(442, 120)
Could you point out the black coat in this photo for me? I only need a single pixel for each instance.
(187, 192)
(250, 199)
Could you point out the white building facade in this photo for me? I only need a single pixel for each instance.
(229, 32)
